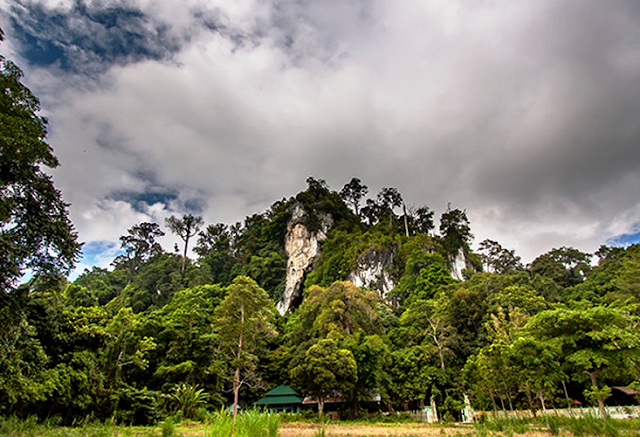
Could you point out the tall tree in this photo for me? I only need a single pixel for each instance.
(426, 321)
(185, 228)
(423, 220)
(35, 231)
(455, 230)
(498, 259)
(244, 323)
(340, 309)
(215, 250)
(594, 340)
(370, 211)
(536, 363)
(352, 318)
(139, 245)
(389, 199)
(565, 265)
(215, 238)
(326, 370)
(353, 192)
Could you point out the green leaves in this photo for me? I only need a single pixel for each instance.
(593, 340)
(455, 230)
(326, 370)
(187, 398)
(244, 325)
(35, 231)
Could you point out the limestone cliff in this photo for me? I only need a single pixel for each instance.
(458, 264)
(371, 271)
(302, 247)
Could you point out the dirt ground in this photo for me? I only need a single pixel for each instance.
(337, 429)
(374, 430)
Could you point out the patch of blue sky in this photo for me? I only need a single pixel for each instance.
(82, 38)
(625, 240)
(96, 254)
(141, 201)
(100, 252)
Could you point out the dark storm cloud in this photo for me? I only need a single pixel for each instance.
(87, 38)
(574, 123)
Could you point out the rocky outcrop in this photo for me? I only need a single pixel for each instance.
(302, 248)
(458, 264)
(371, 271)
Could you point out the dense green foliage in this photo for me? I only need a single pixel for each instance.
(147, 338)
(35, 231)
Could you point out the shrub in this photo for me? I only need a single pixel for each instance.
(250, 423)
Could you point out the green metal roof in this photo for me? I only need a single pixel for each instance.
(282, 394)
(281, 390)
(278, 400)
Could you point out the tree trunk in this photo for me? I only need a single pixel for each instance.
(442, 366)
(356, 407)
(532, 403)
(184, 255)
(593, 375)
(493, 401)
(320, 406)
(406, 225)
(132, 270)
(510, 403)
(236, 391)
(440, 347)
(504, 409)
(508, 396)
(541, 397)
(236, 376)
(566, 395)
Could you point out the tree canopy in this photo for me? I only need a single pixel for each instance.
(35, 231)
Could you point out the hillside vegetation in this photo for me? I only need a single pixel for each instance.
(158, 333)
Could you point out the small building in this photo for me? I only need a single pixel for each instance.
(281, 399)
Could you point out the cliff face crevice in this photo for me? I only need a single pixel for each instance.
(303, 249)
(371, 271)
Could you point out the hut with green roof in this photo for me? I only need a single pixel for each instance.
(281, 399)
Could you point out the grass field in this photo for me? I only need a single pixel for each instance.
(268, 425)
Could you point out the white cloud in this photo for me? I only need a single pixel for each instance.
(524, 114)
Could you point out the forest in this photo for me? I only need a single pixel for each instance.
(160, 333)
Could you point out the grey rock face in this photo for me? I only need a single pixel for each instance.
(371, 271)
(302, 248)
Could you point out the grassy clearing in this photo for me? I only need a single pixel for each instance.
(255, 424)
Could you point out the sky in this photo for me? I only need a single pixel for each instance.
(526, 114)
